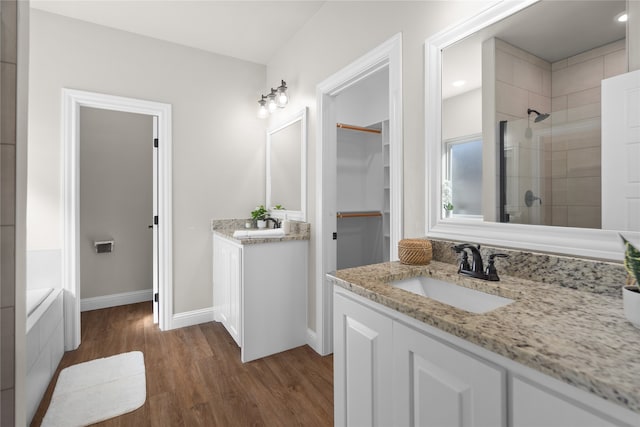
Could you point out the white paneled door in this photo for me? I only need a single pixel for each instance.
(621, 152)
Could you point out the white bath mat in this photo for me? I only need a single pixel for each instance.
(97, 390)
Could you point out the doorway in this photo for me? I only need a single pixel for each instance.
(116, 208)
(73, 101)
(387, 57)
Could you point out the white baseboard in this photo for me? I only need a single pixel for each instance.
(312, 341)
(190, 318)
(115, 300)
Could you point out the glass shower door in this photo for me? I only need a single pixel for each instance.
(524, 174)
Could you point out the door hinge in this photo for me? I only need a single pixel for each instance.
(335, 236)
(155, 220)
(155, 142)
(156, 297)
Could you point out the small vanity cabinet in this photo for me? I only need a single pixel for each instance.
(260, 293)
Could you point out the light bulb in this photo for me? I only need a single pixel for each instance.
(263, 112)
(282, 97)
(271, 101)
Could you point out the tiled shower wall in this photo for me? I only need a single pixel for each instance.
(570, 89)
(575, 106)
(8, 57)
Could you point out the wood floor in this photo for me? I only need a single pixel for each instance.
(195, 377)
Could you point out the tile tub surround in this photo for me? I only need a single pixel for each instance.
(226, 227)
(599, 277)
(580, 338)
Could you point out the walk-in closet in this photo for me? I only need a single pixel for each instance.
(363, 194)
(363, 172)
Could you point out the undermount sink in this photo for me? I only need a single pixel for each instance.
(449, 293)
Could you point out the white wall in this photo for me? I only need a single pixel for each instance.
(576, 199)
(116, 201)
(335, 36)
(372, 92)
(462, 115)
(218, 147)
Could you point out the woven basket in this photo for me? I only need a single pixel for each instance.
(414, 251)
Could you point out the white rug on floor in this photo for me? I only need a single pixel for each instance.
(97, 390)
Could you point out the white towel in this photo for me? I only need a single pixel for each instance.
(248, 234)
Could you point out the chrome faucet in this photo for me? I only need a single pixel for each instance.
(477, 269)
(276, 222)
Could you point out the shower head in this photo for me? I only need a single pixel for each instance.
(539, 116)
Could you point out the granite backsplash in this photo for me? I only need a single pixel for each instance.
(600, 277)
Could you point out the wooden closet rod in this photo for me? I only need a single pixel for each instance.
(361, 129)
(357, 214)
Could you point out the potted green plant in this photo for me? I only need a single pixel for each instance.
(447, 195)
(631, 292)
(448, 208)
(259, 215)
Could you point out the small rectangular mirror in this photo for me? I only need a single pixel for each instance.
(287, 168)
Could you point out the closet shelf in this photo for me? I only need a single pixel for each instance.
(358, 214)
(359, 128)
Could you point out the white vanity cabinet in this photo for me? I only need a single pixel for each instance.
(386, 373)
(390, 369)
(260, 294)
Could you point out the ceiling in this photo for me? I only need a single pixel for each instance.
(248, 30)
(551, 30)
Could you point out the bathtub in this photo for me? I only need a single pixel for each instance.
(45, 342)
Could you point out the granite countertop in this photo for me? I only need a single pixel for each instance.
(576, 336)
(226, 227)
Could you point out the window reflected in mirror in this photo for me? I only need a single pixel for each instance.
(463, 183)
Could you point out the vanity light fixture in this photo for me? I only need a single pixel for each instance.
(458, 83)
(277, 98)
(622, 17)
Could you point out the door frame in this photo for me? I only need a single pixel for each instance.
(72, 101)
(387, 55)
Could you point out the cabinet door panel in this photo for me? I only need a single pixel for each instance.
(234, 290)
(227, 277)
(441, 398)
(220, 280)
(533, 406)
(362, 365)
(438, 385)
